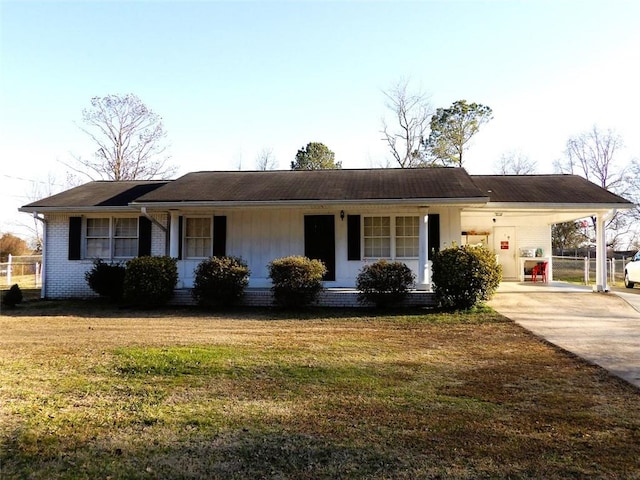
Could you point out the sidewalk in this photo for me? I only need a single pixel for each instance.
(602, 328)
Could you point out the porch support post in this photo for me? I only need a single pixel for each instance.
(424, 274)
(174, 233)
(601, 255)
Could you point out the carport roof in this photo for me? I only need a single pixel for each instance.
(546, 189)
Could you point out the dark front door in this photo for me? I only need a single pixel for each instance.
(320, 241)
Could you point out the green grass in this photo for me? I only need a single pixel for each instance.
(323, 394)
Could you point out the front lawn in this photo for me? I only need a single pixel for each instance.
(107, 393)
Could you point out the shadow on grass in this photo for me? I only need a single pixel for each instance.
(99, 308)
(241, 454)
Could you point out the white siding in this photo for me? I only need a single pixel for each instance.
(535, 237)
(260, 236)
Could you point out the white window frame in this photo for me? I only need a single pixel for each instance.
(392, 236)
(407, 237)
(186, 238)
(110, 237)
(135, 237)
(87, 238)
(375, 237)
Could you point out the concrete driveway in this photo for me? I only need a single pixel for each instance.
(602, 328)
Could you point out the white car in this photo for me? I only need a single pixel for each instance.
(632, 271)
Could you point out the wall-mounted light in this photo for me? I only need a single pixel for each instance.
(341, 214)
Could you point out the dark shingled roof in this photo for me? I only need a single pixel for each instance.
(320, 185)
(549, 189)
(99, 194)
(428, 184)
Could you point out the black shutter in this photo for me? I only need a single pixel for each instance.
(75, 238)
(219, 236)
(144, 236)
(180, 227)
(353, 237)
(433, 232)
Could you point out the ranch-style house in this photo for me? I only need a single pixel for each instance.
(346, 218)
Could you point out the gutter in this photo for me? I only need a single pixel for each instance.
(44, 255)
(143, 210)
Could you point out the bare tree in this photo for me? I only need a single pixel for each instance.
(594, 155)
(412, 112)
(38, 189)
(515, 163)
(130, 141)
(265, 160)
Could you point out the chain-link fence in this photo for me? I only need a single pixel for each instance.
(25, 270)
(583, 270)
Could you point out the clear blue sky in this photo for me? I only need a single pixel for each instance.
(233, 78)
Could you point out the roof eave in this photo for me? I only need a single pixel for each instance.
(85, 209)
(558, 206)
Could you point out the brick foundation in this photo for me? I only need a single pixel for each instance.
(332, 297)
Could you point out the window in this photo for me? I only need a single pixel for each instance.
(198, 237)
(407, 232)
(379, 242)
(108, 238)
(125, 237)
(377, 237)
(98, 238)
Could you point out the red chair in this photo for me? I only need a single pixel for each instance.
(539, 270)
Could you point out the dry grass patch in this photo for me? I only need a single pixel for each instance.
(105, 393)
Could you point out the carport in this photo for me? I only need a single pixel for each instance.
(516, 222)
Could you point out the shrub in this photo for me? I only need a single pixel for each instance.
(465, 276)
(149, 281)
(297, 281)
(384, 283)
(13, 296)
(220, 281)
(106, 279)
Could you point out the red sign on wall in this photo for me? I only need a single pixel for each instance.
(504, 245)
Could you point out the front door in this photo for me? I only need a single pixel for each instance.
(320, 241)
(504, 244)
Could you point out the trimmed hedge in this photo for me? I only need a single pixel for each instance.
(220, 281)
(150, 281)
(384, 283)
(465, 276)
(297, 280)
(107, 280)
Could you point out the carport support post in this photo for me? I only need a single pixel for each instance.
(601, 255)
(423, 253)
